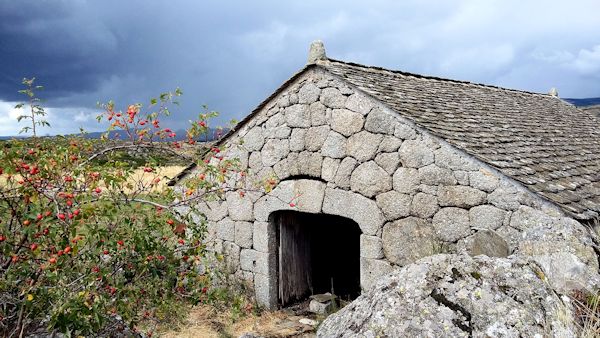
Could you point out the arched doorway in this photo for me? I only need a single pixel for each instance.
(317, 253)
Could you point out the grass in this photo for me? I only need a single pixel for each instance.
(211, 322)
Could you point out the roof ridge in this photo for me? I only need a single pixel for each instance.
(430, 77)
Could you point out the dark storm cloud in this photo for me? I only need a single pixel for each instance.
(231, 55)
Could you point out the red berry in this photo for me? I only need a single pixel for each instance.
(39, 217)
(170, 222)
(76, 212)
(2, 238)
(181, 241)
(60, 252)
(61, 216)
(67, 249)
(33, 246)
(52, 260)
(120, 242)
(105, 252)
(97, 190)
(26, 222)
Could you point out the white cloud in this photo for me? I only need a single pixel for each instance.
(62, 120)
(587, 61)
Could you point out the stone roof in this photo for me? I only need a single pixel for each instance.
(547, 144)
(550, 146)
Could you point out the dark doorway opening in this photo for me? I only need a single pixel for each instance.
(317, 253)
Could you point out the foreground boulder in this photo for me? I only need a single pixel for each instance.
(452, 295)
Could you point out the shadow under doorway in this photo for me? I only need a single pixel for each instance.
(317, 253)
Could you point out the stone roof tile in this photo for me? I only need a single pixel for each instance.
(548, 145)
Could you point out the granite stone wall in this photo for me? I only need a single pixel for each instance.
(334, 150)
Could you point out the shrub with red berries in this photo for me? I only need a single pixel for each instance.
(85, 243)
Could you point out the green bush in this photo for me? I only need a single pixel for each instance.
(84, 248)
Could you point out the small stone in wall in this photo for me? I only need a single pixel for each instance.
(369, 179)
(332, 98)
(363, 145)
(255, 161)
(243, 234)
(231, 251)
(483, 180)
(274, 121)
(527, 217)
(424, 205)
(226, 229)
(451, 224)
(297, 139)
(344, 171)
(489, 243)
(309, 93)
(346, 122)
(434, 175)
(239, 208)
(358, 103)
(394, 205)
(389, 144)
(254, 139)
(263, 236)
(297, 116)
(405, 132)
(380, 121)
(279, 132)
(315, 137)
(334, 145)
(388, 161)
(372, 270)
(462, 177)
(283, 100)
(460, 196)
(310, 163)
(329, 169)
(407, 240)
(371, 247)
(406, 180)
(447, 157)
(415, 154)
(486, 217)
(318, 114)
(274, 150)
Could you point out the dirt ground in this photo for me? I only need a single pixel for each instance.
(206, 321)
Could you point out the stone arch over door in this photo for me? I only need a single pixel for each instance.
(314, 196)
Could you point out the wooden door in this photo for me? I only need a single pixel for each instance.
(295, 271)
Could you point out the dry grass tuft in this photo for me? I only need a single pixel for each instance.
(587, 311)
(208, 321)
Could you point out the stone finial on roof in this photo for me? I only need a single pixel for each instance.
(316, 52)
(553, 92)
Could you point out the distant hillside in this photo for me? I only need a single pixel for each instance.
(595, 109)
(584, 102)
(212, 135)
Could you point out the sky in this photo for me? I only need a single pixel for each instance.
(231, 55)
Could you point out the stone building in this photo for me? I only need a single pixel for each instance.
(379, 168)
